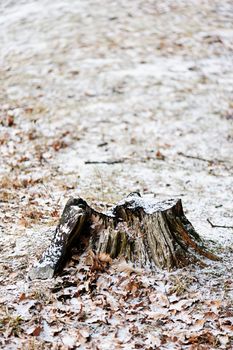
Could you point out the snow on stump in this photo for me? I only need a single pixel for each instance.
(147, 233)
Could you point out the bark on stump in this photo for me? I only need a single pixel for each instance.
(147, 233)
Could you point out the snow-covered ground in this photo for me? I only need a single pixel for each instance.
(146, 83)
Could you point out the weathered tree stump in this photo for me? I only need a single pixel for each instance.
(147, 233)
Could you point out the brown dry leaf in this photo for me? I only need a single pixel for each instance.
(97, 266)
(153, 340)
(226, 325)
(223, 339)
(185, 317)
(55, 213)
(28, 110)
(210, 316)
(33, 214)
(132, 286)
(4, 138)
(10, 120)
(58, 144)
(23, 159)
(96, 263)
(123, 266)
(152, 297)
(158, 315)
(198, 325)
(160, 156)
(37, 331)
(103, 257)
(84, 333)
(163, 300)
(174, 298)
(182, 304)
(22, 297)
(24, 222)
(34, 330)
(205, 337)
(214, 305)
(89, 257)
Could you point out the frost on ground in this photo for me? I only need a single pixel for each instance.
(145, 84)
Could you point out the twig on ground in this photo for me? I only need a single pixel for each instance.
(109, 162)
(221, 226)
(200, 158)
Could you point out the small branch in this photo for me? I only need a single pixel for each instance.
(102, 144)
(109, 162)
(200, 158)
(220, 226)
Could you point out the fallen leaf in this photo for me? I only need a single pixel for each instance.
(103, 257)
(37, 331)
(223, 339)
(210, 315)
(10, 120)
(22, 297)
(182, 304)
(226, 325)
(198, 325)
(127, 268)
(159, 155)
(59, 144)
(132, 286)
(163, 299)
(84, 333)
(214, 305)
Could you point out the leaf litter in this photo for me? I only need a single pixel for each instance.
(151, 84)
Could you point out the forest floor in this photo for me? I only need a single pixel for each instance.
(149, 84)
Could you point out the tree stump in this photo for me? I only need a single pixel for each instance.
(147, 233)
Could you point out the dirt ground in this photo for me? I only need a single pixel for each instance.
(147, 85)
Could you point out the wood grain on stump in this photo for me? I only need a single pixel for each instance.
(147, 233)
